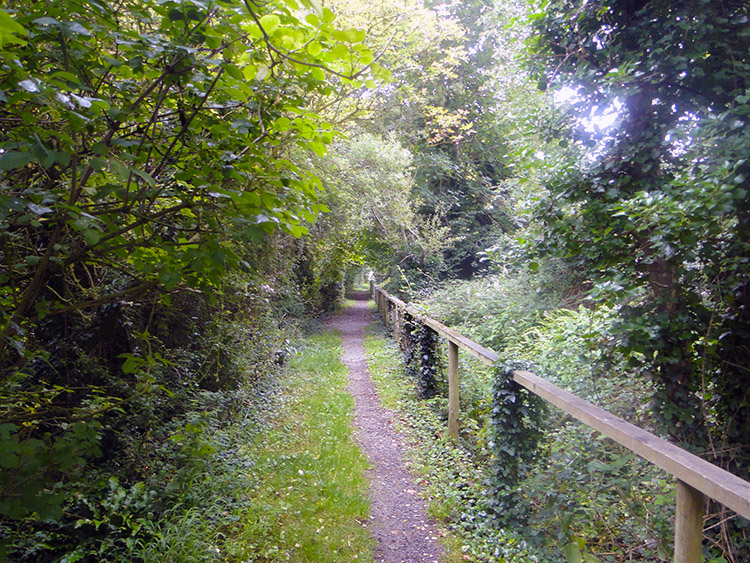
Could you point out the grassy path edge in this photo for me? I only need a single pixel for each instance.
(310, 502)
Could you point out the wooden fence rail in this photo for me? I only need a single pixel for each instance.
(695, 476)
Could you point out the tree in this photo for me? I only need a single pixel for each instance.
(441, 106)
(137, 134)
(657, 208)
(146, 155)
(374, 217)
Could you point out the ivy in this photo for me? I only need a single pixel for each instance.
(409, 345)
(421, 356)
(655, 208)
(516, 421)
(429, 362)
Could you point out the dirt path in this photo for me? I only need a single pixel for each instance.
(399, 521)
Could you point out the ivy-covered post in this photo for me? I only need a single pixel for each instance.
(453, 394)
(688, 534)
(516, 421)
(427, 383)
(407, 343)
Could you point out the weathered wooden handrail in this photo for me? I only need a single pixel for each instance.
(695, 476)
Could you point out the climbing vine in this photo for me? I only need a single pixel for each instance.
(429, 362)
(424, 367)
(516, 422)
(409, 345)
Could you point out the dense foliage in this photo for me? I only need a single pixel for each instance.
(660, 213)
(152, 193)
(182, 182)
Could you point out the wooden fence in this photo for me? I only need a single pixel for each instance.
(696, 478)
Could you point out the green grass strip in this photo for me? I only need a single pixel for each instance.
(310, 499)
(283, 482)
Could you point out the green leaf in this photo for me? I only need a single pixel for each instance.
(119, 169)
(175, 14)
(572, 553)
(263, 72)
(13, 159)
(328, 15)
(297, 230)
(314, 5)
(318, 148)
(270, 23)
(250, 72)
(145, 176)
(340, 51)
(10, 29)
(314, 48)
(132, 363)
(91, 236)
(46, 22)
(282, 124)
(356, 35)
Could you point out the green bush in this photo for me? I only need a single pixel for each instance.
(127, 405)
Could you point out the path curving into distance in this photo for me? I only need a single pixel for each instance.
(398, 516)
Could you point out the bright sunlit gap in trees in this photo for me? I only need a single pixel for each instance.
(599, 119)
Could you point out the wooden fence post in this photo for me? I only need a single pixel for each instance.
(688, 534)
(396, 323)
(453, 395)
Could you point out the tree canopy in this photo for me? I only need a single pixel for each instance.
(656, 204)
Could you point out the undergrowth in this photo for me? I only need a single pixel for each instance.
(283, 483)
(586, 494)
(452, 480)
(585, 498)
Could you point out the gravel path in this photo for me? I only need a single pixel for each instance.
(398, 519)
